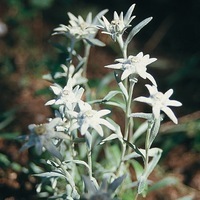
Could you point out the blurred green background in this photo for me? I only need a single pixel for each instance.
(26, 53)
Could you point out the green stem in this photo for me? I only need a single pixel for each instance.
(89, 156)
(86, 57)
(128, 109)
(147, 147)
(68, 176)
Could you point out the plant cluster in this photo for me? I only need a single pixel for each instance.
(91, 156)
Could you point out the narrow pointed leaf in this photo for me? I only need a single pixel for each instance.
(110, 95)
(136, 29)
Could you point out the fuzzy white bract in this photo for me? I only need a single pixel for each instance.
(118, 25)
(75, 76)
(88, 118)
(67, 96)
(42, 135)
(136, 65)
(160, 101)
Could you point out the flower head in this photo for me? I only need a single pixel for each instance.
(79, 28)
(77, 78)
(42, 135)
(118, 25)
(88, 118)
(160, 101)
(134, 65)
(66, 96)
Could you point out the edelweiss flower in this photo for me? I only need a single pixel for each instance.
(77, 78)
(42, 135)
(119, 23)
(160, 101)
(79, 28)
(89, 118)
(134, 65)
(66, 96)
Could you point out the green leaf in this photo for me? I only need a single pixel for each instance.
(42, 4)
(4, 160)
(137, 167)
(9, 136)
(168, 181)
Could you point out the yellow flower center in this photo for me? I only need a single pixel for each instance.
(89, 113)
(40, 129)
(135, 59)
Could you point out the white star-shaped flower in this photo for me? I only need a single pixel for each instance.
(160, 101)
(134, 65)
(77, 78)
(66, 96)
(118, 25)
(79, 28)
(88, 118)
(42, 135)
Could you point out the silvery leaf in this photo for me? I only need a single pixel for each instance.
(110, 95)
(136, 29)
(94, 41)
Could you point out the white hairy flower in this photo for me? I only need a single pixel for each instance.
(88, 118)
(134, 65)
(77, 78)
(66, 96)
(118, 25)
(160, 102)
(79, 28)
(42, 135)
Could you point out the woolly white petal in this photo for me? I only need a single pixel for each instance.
(144, 100)
(114, 66)
(125, 74)
(152, 89)
(170, 114)
(56, 89)
(102, 112)
(98, 129)
(50, 102)
(173, 103)
(151, 78)
(106, 123)
(168, 93)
